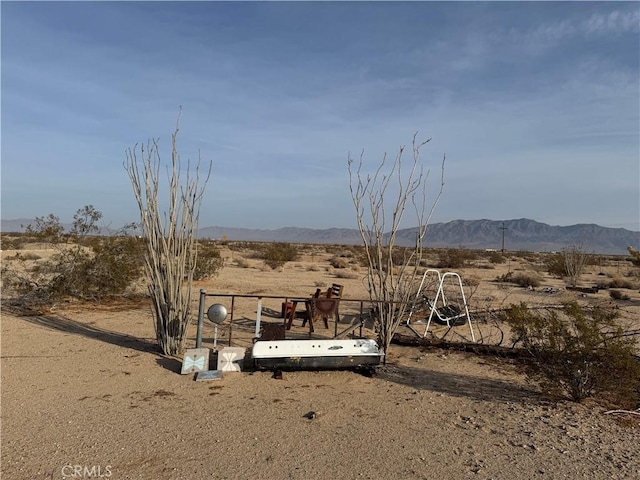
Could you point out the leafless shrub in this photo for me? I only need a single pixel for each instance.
(391, 284)
(171, 251)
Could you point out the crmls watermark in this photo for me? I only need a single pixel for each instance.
(86, 471)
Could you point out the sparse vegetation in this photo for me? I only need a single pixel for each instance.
(526, 279)
(339, 262)
(210, 262)
(276, 255)
(455, 258)
(635, 256)
(618, 295)
(569, 264)
(83, 266)
(577, 352)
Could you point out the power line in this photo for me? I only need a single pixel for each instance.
(503, 228)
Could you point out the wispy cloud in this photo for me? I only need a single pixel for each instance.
(522, 98)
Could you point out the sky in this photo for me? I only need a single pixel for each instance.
(536, 107)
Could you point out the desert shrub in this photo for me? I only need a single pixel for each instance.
(618, 295)
(526, 279)
(619, 282)
(12, 242)
(346, 274)
(635, 256)
(569, 263)
(496, 257)
(242, 262)
(25, 256)
(555, 265)
(45, 229)
(115, 264)
(275, 255)
(79, 268)
(209, 262)
(339, 262)
(523, 279)
(504, 277)
(455, 257)
(577, 352)
(313, 268)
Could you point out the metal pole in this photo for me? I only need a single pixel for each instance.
(231, 318)
(258, 316)
(203, 295)
(503, 228)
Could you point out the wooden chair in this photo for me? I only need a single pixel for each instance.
(335, 291)
(324, 306)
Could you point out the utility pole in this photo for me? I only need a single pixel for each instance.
(503, 228)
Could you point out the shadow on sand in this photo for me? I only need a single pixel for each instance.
(61, 323)
(460, 385)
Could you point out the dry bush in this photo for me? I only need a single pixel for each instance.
(522, 279)
(339, 262)
(618, 295)
(527, 279)
(242, 262)
(619, 282)
(635, 256)
(313, 268)
(12, 242)
(346, 274)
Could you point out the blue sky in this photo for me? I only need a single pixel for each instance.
(536, 105)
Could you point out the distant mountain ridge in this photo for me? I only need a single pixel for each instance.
(519, 234)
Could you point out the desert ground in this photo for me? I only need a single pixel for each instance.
(87, 394)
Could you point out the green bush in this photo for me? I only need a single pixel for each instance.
(455, 257)
(83, 267)
(496, 257)
(275, 255)
(577, 352)
(209, 262)
(555, 265)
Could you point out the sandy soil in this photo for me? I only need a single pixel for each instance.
(85, 394)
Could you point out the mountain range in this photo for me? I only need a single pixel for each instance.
(519, 234)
